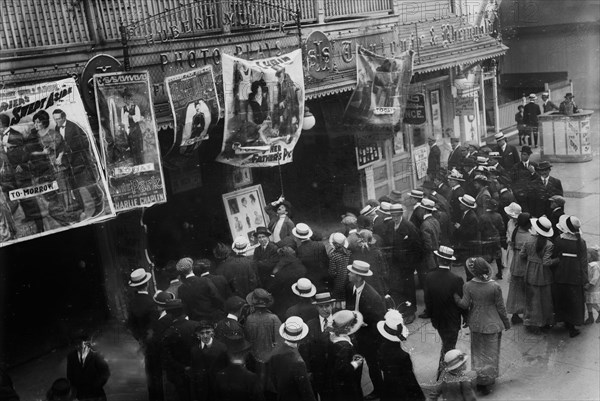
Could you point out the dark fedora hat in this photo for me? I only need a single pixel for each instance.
(262, 230)
(526, 149)
(544, 165)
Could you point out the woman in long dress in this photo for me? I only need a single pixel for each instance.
(515, 303)
(537, 254)
(487, 318)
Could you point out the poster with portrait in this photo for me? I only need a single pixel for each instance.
(195, 106)
(50, 170)
(129, 139)
(245, 209)
(264, 109)
(436, 112)
(381, 89)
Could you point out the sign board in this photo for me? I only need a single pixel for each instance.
(245, 209)
(464, 105)
(318, 55)
(414, 113)
(367, 153)
(420, 158)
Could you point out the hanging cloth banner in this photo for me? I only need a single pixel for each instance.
(50, 171)
(195, 106)
(129, 139)
(381, 90)
(264, 109)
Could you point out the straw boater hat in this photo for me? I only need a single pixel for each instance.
(542, 226)
(396, 208)
(322, 298)
(302, 231)
(513, 210)
(445, 252)
(361, 268)
(415, 193)
(240, 244)
(385, 207)
(456, 175)
(454, 359)
(532, 96)
(568, 224)
(338, 238)
(259, 298)
(293, 329)
(499, 136)
(139, 277)
(304, 288)
(349, 320)
(428, 204)
(468, 201)
(393, 327)
(482, 160)
(368, 210)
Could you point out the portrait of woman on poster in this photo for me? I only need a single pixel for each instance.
(258, 107)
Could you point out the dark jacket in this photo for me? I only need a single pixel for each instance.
(89, 378)
(509, 157)
(288, 271)
(407, 248)
(399, 381)
(176, 346)
(344, 380)
(142, 311)
(201, 299)
(430, 234)
(313, 256)
(539, 195)
(79, 154)
(236, 383)
(455, 158)
(205, 364)
(455, 204)
(240, 274)
(302, 308)
(530, 114)
(265, 260)
(371, 306)
(433, 161)
(221, 283)
(441, 285)
(289, 375)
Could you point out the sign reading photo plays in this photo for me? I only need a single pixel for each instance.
(50, 171)
(195, 106)
(381, 89)
(264, 109)
(129, 139)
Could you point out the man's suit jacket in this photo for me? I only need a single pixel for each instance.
(455, 204)
(89, 378)
(455, 158)
(509, 157)
(468, 232)
(176, 346)
(142, 312)
(530, 114)
(549, 106)
(407, 248)
(430, 233)
(313, 256)
(521, 175)
(289, 375)
(201, 299)
(228, 327)
(371, 306)
(441, 285)
(540, 194)
(236, 383)
(221, 283)
(314, 350)
(433, 161)
(208, 361)
(265, 260)
(444, 189)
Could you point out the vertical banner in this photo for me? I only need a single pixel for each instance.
(129, 139)
(50, 171)
(264, 109)
(381, 89)
(195, 106)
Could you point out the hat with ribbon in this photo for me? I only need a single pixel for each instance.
(322, 298)
(368, 210)
(428, 204)
(415, 193)
(533, 96)
(455, 175)
(499, 136)
(346, 322)
(454, 359)
(339, 239)
(385, 207)
(392, 327)
(445, 252)
(139, 277)
(293, 329)
(468, 201)
(396, 208)
(304, 288)
(568, 224)
(361, 268)
(542, 226)
(240, 244)
(302, 231)
(513, 210)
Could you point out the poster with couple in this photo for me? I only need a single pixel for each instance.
(50, 171)
(381, 90)
(195, 106)
(264, 109)
(129, 139)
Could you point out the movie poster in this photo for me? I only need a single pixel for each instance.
(381, 90)
(195, 107)
(50, 170)
(129, 139)
(264, 109)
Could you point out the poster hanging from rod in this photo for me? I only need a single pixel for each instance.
(50, 170)
(264, 109)
(129, 139)
(245, 209)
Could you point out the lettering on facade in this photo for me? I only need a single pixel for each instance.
(318, 55)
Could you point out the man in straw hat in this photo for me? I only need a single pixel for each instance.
(361, 297)
(288, 370)
(199, 295)
(313, 255)
(531, 112)
(455, 181)
(509, 155)
(239, 269)
(430, 234)
(142, 309)
(441, 285)
(304, 290)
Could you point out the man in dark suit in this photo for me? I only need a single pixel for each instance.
(153, 362)
(265, 255)
(79, 156)
(441, 286)
(312, 254)
(467, 235)
(142, 309)
(433, 160)
(531, 112)
(430, 235)
(87, 370)
(236, 382)
(456, 155)
(543, 187)
(230, 325)
(521, 127)
(199, 295)
(202, 268)
(209, 356)
(509, 155)
(522, 174)
(455, 179)
(557, 207)
(363, 298)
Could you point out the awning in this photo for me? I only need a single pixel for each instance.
(452, 57)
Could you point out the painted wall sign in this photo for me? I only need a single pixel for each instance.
(318, 55)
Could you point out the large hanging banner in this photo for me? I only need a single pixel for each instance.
(195, 106)
(50, 171)
(129, 139)
(264, 109)
(381, 89)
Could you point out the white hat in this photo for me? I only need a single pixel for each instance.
(428, 204)
(353, 320)
(302, 231)
(396, 208)
(543, 227)
(293, 329)
(454, 359)
(415, 193)
(499, 136)
(385, 207)
(338, 238)
(455, 175)
(393, 326)
(545, 94)
(304, 288)
(445, 252)
(513, 210)
(468, 201)
(533, 96)
(139, 277)
(361, 268)
(367, 210)
(240, 244)
(568, 224)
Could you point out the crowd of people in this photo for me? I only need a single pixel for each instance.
(299, 316)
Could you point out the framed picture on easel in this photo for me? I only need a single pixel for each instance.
(245, 209)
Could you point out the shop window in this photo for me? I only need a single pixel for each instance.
(400, 142)
(418, 135)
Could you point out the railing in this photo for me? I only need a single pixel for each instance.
(356, 8)
(28, 24)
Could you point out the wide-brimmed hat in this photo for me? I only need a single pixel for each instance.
(139, 277)
(499, 136)
(568, 224)
(396, 208)
(322, 298)
(347, 321)
(454, 359)
(368, 210)
(513, 210)
(479, 267)
(385, 207)
(260, 298)
(542, 226)
(494, 155)
(304, 288)
(415, 193)
(544, 165)
(533, 96)
(361, 268)
(240, 244)
(262, 230)
(455, 175)
(392, 327)
(338, 238)
(61, 390)
(293, 329)
(161, 297)
(545, 94)
(559, 200)
(428, 204)
(396, 195)
(468, 201)
(569, 95)
(302, 231)
(445, 252)
(526, 149)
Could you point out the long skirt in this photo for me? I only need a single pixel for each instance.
(569, 303)
(485, 356)
(515, 303)
(538, 305)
